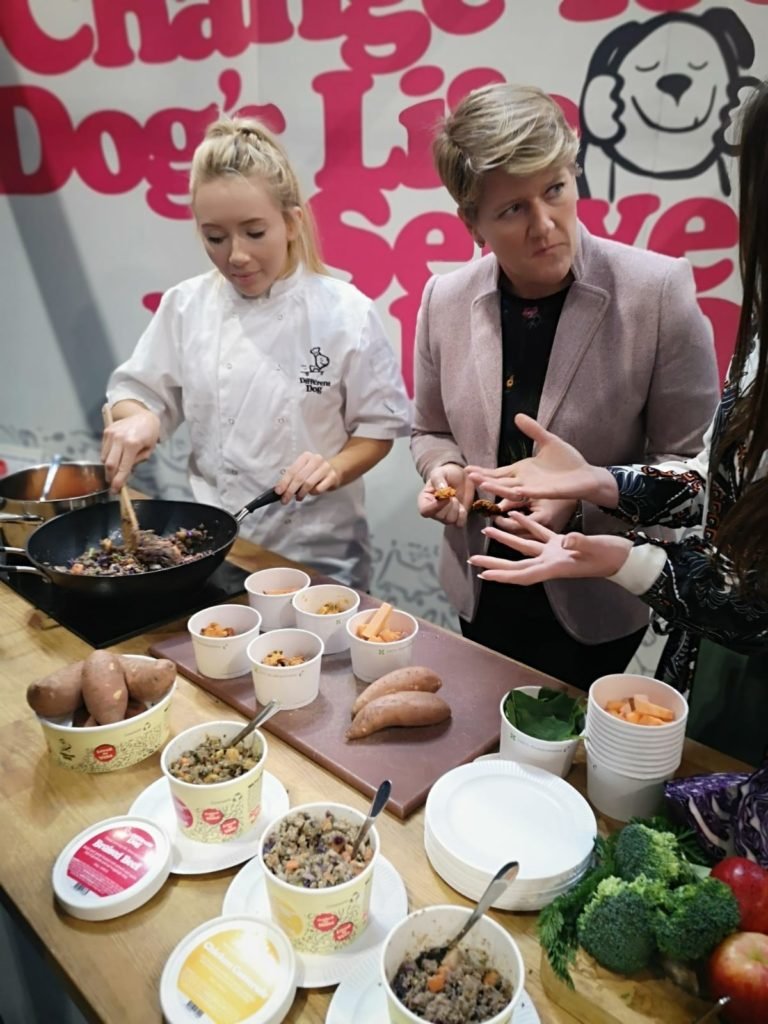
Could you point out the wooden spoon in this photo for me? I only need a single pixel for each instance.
(129, 524)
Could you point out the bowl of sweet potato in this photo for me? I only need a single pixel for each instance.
(107, 712)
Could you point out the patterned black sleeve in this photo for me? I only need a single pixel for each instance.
(659, 495)
(697, 592)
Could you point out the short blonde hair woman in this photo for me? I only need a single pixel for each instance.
(516, 127)
(600, 341)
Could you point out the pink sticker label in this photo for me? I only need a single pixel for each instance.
(325, 922)
(183, 813)
(343, 932)
(212, 816)
(105, 752)
(229, 826)
(112, 861)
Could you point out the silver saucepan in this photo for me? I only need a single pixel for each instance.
(75, 485)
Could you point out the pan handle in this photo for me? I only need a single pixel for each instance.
(23, 568)
(267, 498)
(19, 568)
(22, 517)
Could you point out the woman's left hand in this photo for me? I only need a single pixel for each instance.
(311, 473)
(554, 513)
(551, 555)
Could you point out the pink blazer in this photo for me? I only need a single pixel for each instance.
(632, 379)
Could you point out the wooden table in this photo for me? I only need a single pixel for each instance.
(113, 968)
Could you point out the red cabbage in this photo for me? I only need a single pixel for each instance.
(726, 811)
(751, 828)
(707, 805)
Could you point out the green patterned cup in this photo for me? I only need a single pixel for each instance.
(218, 811)
(321, 920)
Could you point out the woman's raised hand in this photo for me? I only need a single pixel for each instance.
(126, 442)
(452, 511)
(552, 556)
(557, 470)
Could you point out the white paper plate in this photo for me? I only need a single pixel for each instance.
(510, 900)
(247, 894)
(193, 858)
(441, 857)
(489, 812)
(360, 999)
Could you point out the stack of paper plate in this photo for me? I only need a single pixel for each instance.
(481, 815)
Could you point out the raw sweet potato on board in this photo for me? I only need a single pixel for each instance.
(415, 677)
(104, 690)
(404, 708)
(148, 680)
(59, 693)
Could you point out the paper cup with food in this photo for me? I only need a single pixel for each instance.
(542, 727)
(216, 788)
(220, 637)
(380, 641)
(324, 610)
(481, 979)
(285, 666)
(271, 592)
(107, 712)
(318, 895)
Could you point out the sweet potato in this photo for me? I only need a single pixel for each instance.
(148, 680)
(83, 719)
(59, 693)
(403, 708)
(415, 677)
(104, 690)
(135, 707)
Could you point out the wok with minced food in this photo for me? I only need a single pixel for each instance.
(61, 541)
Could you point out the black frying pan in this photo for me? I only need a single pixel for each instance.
(67, 536)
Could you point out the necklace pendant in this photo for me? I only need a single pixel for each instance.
(509, 383)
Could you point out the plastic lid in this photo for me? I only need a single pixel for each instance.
(112, 867)
(235, 969)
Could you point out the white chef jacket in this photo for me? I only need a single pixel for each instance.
(259, 381)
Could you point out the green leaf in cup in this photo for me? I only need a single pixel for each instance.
(550, 715)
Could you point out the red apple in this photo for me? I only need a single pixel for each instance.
(739, 968)
(749, 883)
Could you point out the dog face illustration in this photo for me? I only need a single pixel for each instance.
(659, 95)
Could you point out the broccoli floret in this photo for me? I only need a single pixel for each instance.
(693, 919)
(617, 925)
(644, 851)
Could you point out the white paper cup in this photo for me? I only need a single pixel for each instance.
(218, 811)
(292, 686)
(433, 927)
(276, 609)
(330, 628)
(321, 920)
(554, 756)
(371, 660)
(624, 685)
(224, 657)
(621, 796)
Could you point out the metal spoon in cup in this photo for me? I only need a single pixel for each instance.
(377, 806)
(496, 887)
(266, 712)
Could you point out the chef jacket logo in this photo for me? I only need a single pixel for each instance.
(659, 98)
(319, 364)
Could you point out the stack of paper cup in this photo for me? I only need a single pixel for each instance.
(628, 764)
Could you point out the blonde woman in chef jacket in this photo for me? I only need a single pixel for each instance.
(283, 373)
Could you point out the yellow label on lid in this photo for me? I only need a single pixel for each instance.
(230, 975)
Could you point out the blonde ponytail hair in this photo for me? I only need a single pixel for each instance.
(242, 146)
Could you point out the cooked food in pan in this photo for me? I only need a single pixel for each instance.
(111, 558)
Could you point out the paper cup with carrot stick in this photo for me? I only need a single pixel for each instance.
(380, 641)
